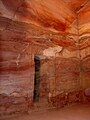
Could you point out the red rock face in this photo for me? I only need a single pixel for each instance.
(56, 30)
(76, 5)
(52, 16)
(84, 31)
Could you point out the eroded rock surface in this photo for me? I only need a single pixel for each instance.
(58, 32)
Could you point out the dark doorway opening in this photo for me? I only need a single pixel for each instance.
(36, 78)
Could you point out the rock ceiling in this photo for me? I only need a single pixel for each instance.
(47, 13)
(67, 18)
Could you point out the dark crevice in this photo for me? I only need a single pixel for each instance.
(36, 79)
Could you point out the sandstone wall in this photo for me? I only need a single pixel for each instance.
(60, 77)
(16, 68)
(84, 40)
(50, 30)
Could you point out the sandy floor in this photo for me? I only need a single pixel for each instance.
(76, 112)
